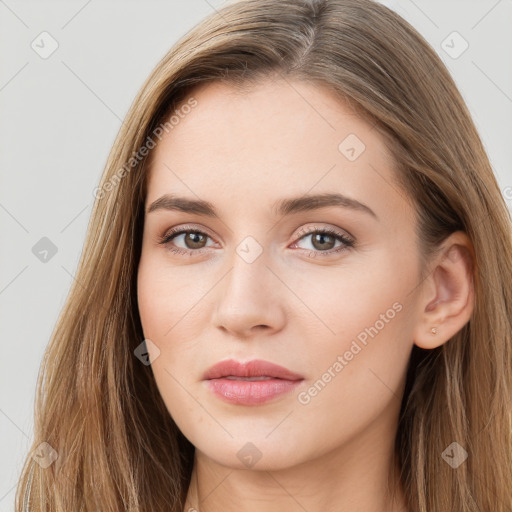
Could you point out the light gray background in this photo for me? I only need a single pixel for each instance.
(59, 117)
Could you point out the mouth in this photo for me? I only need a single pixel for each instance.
(251, 383)
(251, 379)
(255, 369)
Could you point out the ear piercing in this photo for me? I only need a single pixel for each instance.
(433, 330)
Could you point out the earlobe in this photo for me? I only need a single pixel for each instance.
(447, 300)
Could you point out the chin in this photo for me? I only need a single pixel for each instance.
(253, 452)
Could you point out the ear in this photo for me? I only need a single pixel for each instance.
(447, 298)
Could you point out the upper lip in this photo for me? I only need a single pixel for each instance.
(254, 368)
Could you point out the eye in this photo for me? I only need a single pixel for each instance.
(323, 242)
(194, 240)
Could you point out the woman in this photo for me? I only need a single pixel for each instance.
(295, 291)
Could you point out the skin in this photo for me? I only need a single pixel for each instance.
(293, 305)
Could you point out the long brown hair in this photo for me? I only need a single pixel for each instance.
(98, 406)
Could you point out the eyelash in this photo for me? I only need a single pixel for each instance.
(348, 242)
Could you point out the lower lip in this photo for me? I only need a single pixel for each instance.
(246, 392)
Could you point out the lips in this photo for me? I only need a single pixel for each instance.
(256, 369)
(251, 383)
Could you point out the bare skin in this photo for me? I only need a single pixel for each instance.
(301, 303)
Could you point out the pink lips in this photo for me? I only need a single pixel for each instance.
(251, 383)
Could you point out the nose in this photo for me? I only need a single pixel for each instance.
(250, 300)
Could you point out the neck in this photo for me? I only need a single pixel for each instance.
(362, 475)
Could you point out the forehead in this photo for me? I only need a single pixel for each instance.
(267, 139)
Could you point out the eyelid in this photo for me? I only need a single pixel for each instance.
(334, 230)
(187, 227)
(302, 232)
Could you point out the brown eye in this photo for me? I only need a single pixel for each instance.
(194, 240)
(183, 240)
(322, 241)
(325, 242)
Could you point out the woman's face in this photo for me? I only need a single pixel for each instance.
(250, 276)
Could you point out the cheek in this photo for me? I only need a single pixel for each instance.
(357, 372)
(365, 337)
(173, 305)
(164, 295)
(149, 298)
(352, 301)
(161, 305)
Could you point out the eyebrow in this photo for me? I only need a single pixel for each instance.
(281, 207)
